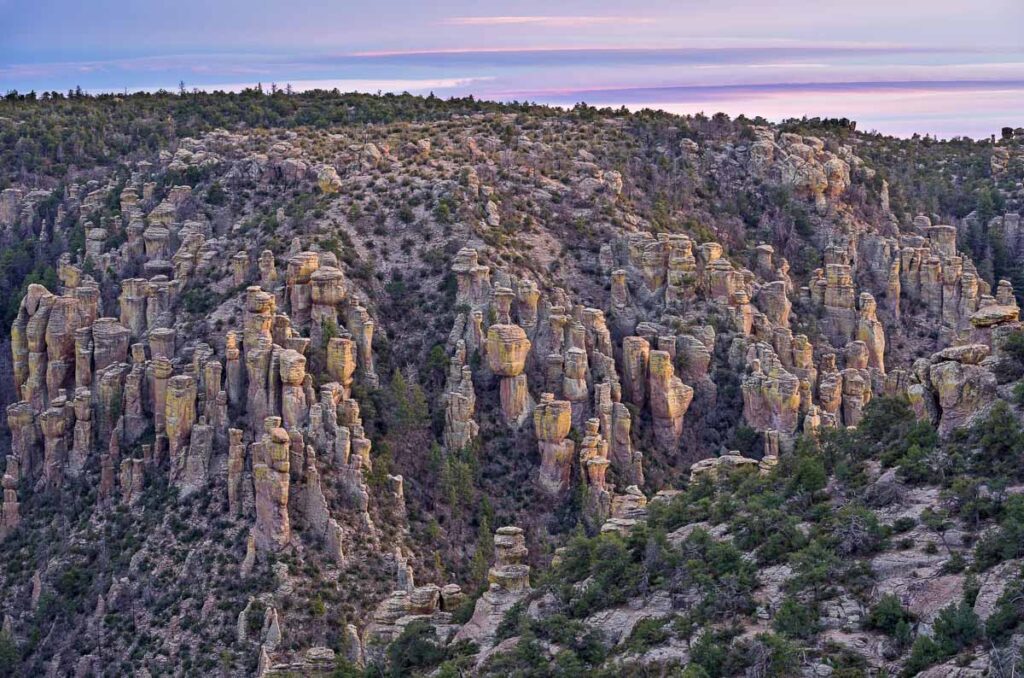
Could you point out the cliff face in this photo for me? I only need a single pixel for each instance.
(311, 392)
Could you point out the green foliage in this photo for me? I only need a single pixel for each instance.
(778, 657)
(199, 300)
(55, 134)
(891, 432)
(511, 623)
(996, 444)
(617, 569)
(814, 568)
(714, 653)
(581, 649)
(903, 524)
(437, 361)
(691, 506)
(458, 475)
(9, 655)
(444, 211)
(923, 654)
(406, 215)
(484, 551)
(328, 330)
(810, 475)
(382, 462)
(957, 627)
(855, 531)
(887, 615)
(418, 651)
(796, 619)
(648, 633)
(21, 264)
(1008, 614)
(772, 532)
(1011, 366)
(216, 195)
(1005, 543)
(613, 569)
(410, 403)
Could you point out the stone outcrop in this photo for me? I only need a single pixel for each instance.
(328, 180)
(82, 436)
(26, 443)
(507, 349)
(179, 417)
(771, 394)
(856, 394)
(271, 469)
(714, 467)
(670, 398)
(10, 512)
(194, 475)
(963, 389)
(361, 327)
(459, 402)
(473, 278)
(294, 407)
(53, 424)
(575, 369)
(235, 470)
(131, 480)
(635, 356)
(870, 331)
(508, 583)
(552, 420)
(341, 361)
(594, 464)
(617, 422)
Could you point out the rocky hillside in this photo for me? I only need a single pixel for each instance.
(342, 385)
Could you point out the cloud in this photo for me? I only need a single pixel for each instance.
(546, 21)
(691, 93)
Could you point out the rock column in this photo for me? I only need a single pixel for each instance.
(507, 349)
(552, 420)
(180, 415)
(271, 470)
(670, 398)
(294, 409)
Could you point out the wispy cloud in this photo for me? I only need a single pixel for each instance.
(685, 93)
(547, 57)
(546, 21)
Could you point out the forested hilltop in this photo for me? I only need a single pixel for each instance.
(340, 384)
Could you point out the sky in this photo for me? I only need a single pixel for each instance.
(940, 67)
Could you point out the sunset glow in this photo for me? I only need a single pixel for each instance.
(936, 67)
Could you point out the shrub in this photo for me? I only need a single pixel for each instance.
(713, 653)
(923, 654)
(1008, 613)
(796, 619)
(814, 568)
(648, 633)
(904, 524)
(957, 627)
(1011, 367)
(416, 649)
(809, 475)
(1005, 543)
(856, 531)
(9, 655)
(887, 614)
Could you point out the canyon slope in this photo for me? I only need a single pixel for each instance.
(321, 384)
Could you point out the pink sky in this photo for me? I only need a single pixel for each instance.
(736, 56)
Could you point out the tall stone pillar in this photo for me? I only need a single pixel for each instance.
(507, 349)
